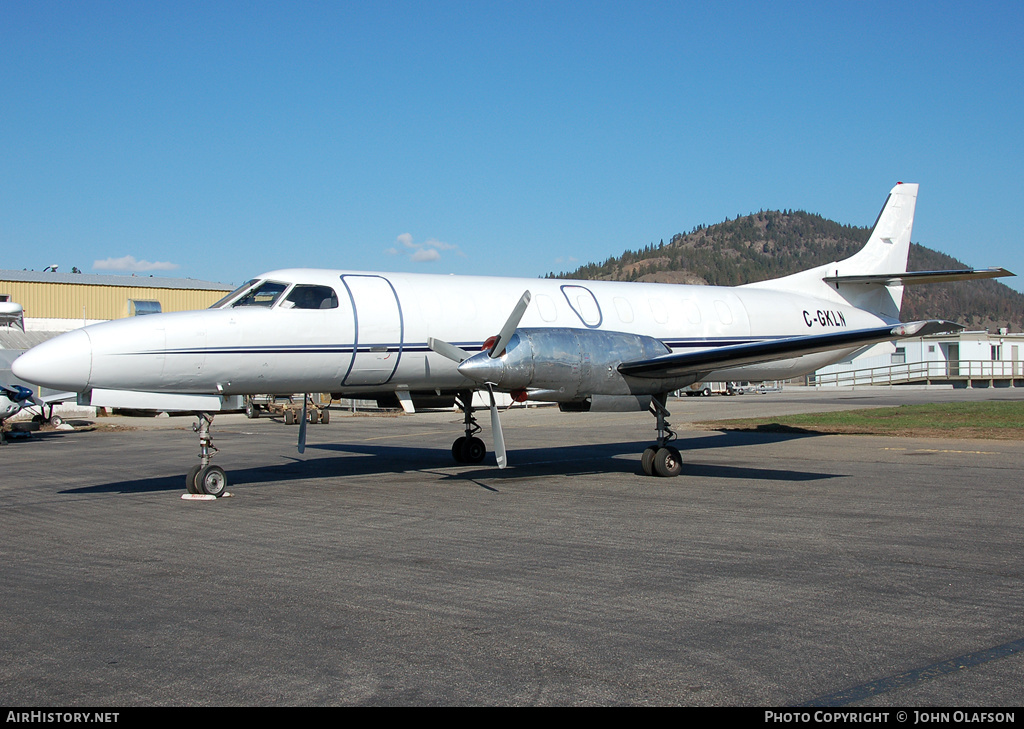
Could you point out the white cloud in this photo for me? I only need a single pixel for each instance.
(128, 263)
(421, 252)
(426, 254)
(440, 245)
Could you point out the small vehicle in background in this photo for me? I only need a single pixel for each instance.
(289, 407)
(761, 388)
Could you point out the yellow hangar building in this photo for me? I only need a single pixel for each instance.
(53, 301)
(37, 305)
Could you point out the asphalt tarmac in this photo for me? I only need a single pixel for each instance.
(777, 570)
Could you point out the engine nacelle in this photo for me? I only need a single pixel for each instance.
(565, 364)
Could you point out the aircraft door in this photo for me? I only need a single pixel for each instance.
(584, 305)
(379, 329)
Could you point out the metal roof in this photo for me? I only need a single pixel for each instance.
(11, 338)
(92, 279)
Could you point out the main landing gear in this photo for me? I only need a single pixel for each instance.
(204, 477)
(468, 448)
(662, 459)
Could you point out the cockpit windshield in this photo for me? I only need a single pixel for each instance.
(263, 295)
(233, 294)
(268, 293)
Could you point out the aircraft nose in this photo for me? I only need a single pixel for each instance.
(61, 363)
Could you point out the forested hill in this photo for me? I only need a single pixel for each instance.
(772, 243)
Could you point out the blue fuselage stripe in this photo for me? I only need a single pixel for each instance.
(701, 343)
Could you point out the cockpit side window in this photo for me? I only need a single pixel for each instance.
(263, 295)
(233, 294)
(304, 296)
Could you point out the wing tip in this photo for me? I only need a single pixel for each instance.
(925, 328)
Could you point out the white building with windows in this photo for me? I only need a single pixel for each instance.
(967, 359)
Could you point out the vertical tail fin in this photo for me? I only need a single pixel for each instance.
(885, 252)
(887, 249)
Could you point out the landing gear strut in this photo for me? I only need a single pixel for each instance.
(468, 448)
(662, 459)
(205, 478)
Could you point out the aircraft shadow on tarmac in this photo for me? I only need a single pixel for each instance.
(565, 460)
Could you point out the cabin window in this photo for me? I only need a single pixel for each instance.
(588, 309)
(692, 311)
(623, 309)
(659, 311)
(724, 313)
(303, 296)
(266, 294)
(546, 307)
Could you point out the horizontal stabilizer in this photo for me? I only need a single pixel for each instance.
(739, 355)
(919, 277)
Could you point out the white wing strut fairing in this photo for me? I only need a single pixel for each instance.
(586, 345)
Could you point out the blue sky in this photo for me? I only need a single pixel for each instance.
(218, 140)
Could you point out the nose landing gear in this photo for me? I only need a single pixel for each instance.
(204, 477)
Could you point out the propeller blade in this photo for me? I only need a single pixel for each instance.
(302, 426)
(443, 348)
(499, 438)
(510, 326)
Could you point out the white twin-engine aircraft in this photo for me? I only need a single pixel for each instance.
(586, 345)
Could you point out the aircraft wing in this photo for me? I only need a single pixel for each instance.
(919, 277)
(738, 355)
(58, 397)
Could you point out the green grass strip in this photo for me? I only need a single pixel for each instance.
(998, 420)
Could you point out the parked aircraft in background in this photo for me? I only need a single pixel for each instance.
(586, 345)
(12, 315)
(14, 399)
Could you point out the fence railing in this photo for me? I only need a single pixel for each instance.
(963, 369)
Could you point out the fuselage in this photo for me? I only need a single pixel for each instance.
(312, 330)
